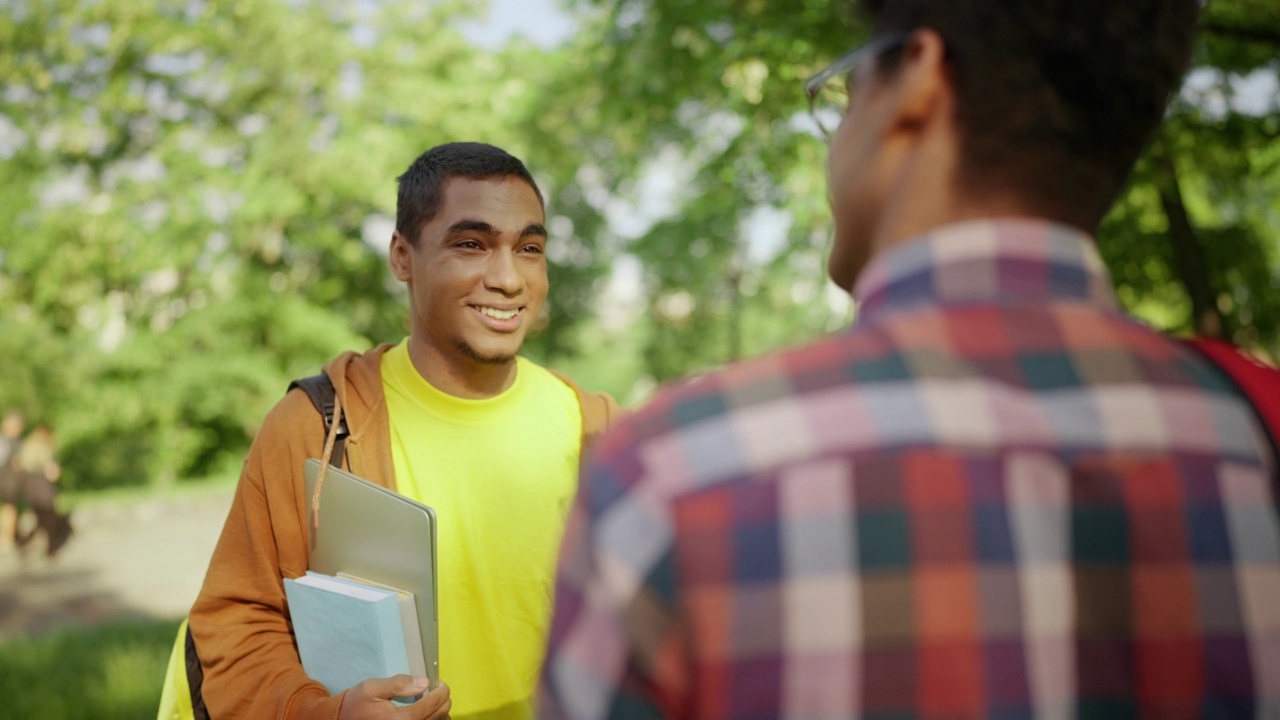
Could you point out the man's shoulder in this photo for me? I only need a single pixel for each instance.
(291, 414)
(355, 376)
(362, 370)
(769, 378)
(599, 410)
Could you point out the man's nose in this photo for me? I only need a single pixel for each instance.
(502, 274)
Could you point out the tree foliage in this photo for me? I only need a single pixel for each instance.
(1192, 243)
(198, 194)
(188, 190)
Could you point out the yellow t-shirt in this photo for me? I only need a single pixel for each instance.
(500, 474)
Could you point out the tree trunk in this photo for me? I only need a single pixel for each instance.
(1189, 257)
(734, 280)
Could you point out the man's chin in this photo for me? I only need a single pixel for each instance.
(841, 274)
(486, 356)
(493, 359)
(846, 262)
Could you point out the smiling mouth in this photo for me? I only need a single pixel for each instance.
(498, 314)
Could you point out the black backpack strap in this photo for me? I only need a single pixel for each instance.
(320, 389)
(195, 678)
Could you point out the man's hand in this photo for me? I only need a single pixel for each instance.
(371, 700)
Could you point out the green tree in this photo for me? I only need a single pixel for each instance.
(717, 84)
(188, 193)
(1194, 243)
(711, 95)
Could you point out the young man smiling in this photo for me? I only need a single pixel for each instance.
(994, 496)
(451, 416)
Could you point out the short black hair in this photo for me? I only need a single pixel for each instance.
(1055, 99)
(422, 185)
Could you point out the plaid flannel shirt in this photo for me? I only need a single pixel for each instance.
(994, 496)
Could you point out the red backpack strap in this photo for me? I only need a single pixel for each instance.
(1258, 383)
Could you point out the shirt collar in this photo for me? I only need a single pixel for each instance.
(1017, 261)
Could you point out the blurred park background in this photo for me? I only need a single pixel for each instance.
(197, 196)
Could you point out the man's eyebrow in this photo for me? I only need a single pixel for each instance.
(479, 226)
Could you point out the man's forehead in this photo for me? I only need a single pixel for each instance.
(459, 186)
(505, 196)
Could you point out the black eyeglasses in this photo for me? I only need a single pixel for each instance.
(828, 91)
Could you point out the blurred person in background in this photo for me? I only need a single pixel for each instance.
(38, 472)
(995, 495)
(11, 428)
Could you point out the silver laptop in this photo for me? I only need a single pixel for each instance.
(373, 533)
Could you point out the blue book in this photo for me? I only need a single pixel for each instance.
(347, 632)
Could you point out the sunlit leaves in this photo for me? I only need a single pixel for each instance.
(182, 218)
(674, 69)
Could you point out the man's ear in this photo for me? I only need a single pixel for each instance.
(400, 257)
(920, 82)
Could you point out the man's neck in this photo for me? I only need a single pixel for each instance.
(937, 203)
(928, 194)
(455, 374)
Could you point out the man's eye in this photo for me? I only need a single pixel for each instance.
(469, 244)
(533, 249)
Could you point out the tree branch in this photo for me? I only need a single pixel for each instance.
(1189, 258)
(1264, 35)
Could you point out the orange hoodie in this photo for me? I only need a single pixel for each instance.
(240, 622)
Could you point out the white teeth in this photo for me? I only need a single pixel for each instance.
(497, 314)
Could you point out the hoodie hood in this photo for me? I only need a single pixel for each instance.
(357, 381)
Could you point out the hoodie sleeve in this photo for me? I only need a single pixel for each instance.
(240, 622)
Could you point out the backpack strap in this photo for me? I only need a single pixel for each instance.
(321, 391)
(195, 677)
(599, 411)
(1259, 384)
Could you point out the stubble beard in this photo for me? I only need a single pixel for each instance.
(480, 358)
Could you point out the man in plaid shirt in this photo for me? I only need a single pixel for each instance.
(994, 495)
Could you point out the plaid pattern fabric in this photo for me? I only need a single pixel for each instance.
(994, 496)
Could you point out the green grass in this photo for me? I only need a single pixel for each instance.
(101, 673)
(104, 672)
